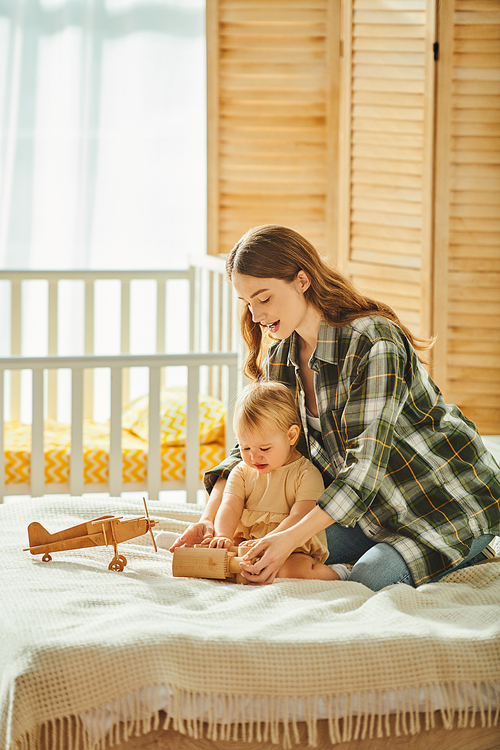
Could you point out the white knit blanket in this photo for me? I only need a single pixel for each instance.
(78, 643)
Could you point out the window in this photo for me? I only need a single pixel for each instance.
(103, 115)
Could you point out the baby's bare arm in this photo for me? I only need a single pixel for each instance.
(227, 518)
(203, 530)
(298, 511)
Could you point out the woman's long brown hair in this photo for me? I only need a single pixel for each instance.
(275, 252)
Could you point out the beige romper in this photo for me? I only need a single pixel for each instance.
(269, 499)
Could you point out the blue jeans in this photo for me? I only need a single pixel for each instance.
(378, 564)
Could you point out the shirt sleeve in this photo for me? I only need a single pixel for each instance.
(236, 481)
(223, 470)
(376, 397)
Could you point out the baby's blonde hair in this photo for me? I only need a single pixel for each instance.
(263, 403)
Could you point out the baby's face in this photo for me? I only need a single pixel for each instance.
(269, 451)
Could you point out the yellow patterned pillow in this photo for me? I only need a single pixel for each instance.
(173, 417)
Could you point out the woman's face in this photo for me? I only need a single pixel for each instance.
(276, 304)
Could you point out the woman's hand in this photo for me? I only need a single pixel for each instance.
(273, 550)
(196, 533)
(277, 547)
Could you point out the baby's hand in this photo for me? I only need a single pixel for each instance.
(248, 543)
(221, 542)
(196, 533)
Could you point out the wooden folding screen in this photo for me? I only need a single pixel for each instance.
(467, 249)
(387, 154)
(420, 180)
(379, 146)
(272, 118)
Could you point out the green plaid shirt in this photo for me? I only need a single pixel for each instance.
(397, 460)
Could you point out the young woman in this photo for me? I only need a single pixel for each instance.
(274, 486)
(410, 489)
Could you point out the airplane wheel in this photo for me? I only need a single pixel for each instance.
(123, 560)
(116, 564)
(46, 557)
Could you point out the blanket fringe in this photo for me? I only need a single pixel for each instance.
(350, 716)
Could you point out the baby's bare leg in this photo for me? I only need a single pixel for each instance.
(299, 565)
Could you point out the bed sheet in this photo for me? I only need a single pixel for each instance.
(85, 650)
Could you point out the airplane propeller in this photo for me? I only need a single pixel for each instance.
(150, 529)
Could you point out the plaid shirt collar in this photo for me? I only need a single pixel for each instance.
(326, 347)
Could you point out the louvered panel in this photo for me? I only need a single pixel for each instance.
(469, 189)
(401, 292)
(273, 123)
(387, 122)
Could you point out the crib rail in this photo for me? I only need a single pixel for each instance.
(118, 364)
(212, 316)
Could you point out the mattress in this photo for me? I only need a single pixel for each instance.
(57, 452)
(57, 443)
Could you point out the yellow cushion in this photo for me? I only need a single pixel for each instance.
(173, 417)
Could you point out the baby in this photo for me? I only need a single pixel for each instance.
(274, 486)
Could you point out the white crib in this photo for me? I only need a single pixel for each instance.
(210, 364)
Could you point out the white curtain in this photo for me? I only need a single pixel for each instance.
(103, 133)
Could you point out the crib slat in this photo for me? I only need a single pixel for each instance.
(115, 434)
(76, 457)
(88, 397)
(225, 321)
(125, 338)
(234, 318)
(203, 303)
(225, 342)
(160, 315)
(194, 309)
(125, 317)
(52, 348)
(37, 455)
(192, 435)
(15, 349)
(154, 452)
(232, 390)
(215, 342)
(161, 322)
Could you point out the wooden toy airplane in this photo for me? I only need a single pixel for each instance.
(99, 532)
(201, 561)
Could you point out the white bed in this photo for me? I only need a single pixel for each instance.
(94, 658)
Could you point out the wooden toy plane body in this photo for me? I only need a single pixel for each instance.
(99, 532)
